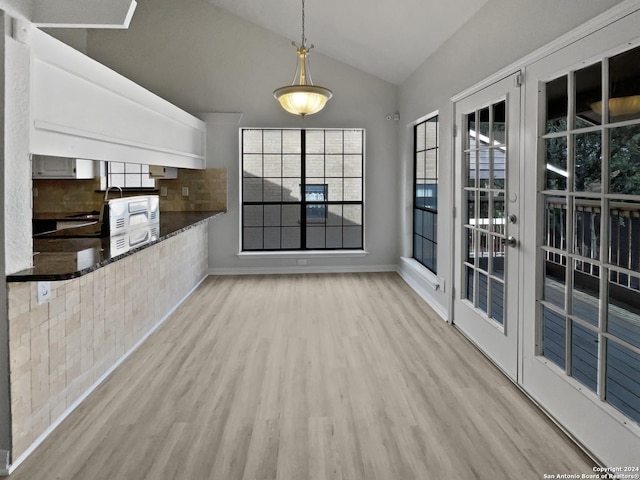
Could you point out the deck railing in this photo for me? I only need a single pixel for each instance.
(624, 238)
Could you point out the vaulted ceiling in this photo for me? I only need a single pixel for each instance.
(389, 39)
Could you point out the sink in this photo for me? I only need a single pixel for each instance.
(93, 215)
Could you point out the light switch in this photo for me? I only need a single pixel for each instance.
(163, 191)
(185, 191)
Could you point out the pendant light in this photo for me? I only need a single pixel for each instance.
(302, 98)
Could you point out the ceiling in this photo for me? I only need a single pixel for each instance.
(389, 39)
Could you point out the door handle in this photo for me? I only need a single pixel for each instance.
(510, 241)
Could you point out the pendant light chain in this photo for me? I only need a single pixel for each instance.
(304, 40)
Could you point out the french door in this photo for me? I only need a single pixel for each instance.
(487, 223)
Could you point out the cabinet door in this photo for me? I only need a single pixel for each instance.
(53, 167)
(61, 167)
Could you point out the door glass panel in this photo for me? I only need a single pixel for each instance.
(483, 221)
(555, 228)
(484, 168)
(471, 163)
(497, 259)
(498, 164)
(624, 235)
(483, 247)
(585, 294)
(557, 105)
(497, 301)
(485, 210)
(587, 96)
(594, 312)
(624, 166)
(556, 172)
(483, 287)
(498, 217)
(624, 87)
(485, 128)
(555, 283)
(471, 130)
(624, 308)
(469, 284)
(554, 334)
(499, 123)
(623, 381)
(471, 208)
(584, 355)
(587, 228)
(588, 162)
(471, 246)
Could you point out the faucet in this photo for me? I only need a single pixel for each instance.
(104, 213)
(106, 194)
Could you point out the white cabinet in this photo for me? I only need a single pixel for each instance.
(62, 167)
(82, 109)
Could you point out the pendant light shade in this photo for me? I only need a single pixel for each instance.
(619, 106)
(302, 97)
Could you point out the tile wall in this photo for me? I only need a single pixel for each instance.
(207, 192)
(59, 349)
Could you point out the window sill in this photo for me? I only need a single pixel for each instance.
(421, 272)
(132, 190)
(304, 254)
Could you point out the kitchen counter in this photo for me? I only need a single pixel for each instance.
(63, 255)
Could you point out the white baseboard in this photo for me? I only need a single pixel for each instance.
(303, 269)
(65, 414)
(424, 283)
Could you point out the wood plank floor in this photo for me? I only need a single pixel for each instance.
(332, 376)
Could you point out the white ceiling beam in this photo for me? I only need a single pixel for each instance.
(84, 14)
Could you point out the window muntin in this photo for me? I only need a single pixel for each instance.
(590, 315)
(128, 175)
(425, 193)
(302, 189)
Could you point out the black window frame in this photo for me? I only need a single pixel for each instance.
(351, 234)
(425, 238)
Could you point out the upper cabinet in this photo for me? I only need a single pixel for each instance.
(82, 109)
(62, 167)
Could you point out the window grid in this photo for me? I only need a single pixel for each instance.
(425, 193)
(590, 250)
(128, 175)
(321, 158)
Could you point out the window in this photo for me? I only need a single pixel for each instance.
(425, 193)
(302, 189)
(590, 254)
(128, 175)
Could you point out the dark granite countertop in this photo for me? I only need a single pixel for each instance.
(64, 255)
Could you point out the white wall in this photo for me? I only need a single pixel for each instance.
(206, 60)
(501, 33)
(15, 190)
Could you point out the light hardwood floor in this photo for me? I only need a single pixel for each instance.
(333, 376)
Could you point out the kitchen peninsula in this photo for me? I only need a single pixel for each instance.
(70, 253)
(99, 308)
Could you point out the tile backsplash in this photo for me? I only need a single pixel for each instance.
(207, 191)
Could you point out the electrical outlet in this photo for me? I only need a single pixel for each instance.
(302, 261)
(185, 191)
(44, 292)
